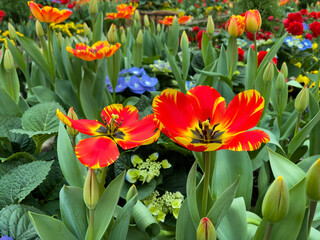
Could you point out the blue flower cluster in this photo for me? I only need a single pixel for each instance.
(302, 45)
(6, 238)
(137, 80)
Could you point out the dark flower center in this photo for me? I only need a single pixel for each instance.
(111, 128)
(203, 133)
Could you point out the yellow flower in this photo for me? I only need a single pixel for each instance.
(180, 14)
(303, 79)
(314, 45)
(298, 64)
(218, 8)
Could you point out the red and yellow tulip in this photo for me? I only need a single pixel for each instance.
(98, 50)
(124, 11)
(252, 21)
(200, 121)
(169, 19)
(121, 125)
(49, 14)
(236, 25)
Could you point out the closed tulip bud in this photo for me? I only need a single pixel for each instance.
(268, 73)
(131, 192)
(302, 100)
(276, 202)
(253, 21)
(8, 61)
(123, 37)
(280, 82)
(175, 21)
(146, 21)
(86, 29)
(112, 36)
(91, 190)
(136, 16)
(12, 31)
(210, 26)
(236, 26)
(39, 29)
(158, 28)
(205, 230)
(71, 131)
(93, 7)
(313, 182)
(139, 37)
(284, 70)
(60, 39)
(184, 40)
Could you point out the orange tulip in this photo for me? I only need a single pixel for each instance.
(169, 19)
(236, 25)
(98, 50)
(49, 14)
(252, 20)
(124, 11)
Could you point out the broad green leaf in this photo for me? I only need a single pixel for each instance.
(73, 210)
(50, 228)
(137, 54)
(144, 190)
(288, 128)
(173, 38)
(100, 84)
(72, 169)
(113, 68)
(20, 181)
(234, 225)
(18, 57)
(185, 59)
(14, 161)
(120, 228)
(58, 57)
(7, 106)
(98, 28)
(315, 133)
(306, 163)
(282, 166)
(232, 55)
(211, 55)
(68, 67)
(205, 42)
(192, 195)
(185, 229)
(15, 222)
(208, 68)
(250, 70)
(103, 213)
(222, 62)
(44, 94)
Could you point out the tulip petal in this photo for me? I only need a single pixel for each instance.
(243, 112)
(97, 152)
(246, 141)
(138, 133)
(207, 103)
(36, 11)
(89, 127)
(127, 115)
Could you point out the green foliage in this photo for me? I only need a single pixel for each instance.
(18, 10)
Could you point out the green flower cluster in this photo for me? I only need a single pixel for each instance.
(160, 206)
(145, 171)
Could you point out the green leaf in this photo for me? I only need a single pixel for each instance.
(250, 69)
(232, 55)
(192, 195)
(98, 28)
(208, 68)
(144, 190)
(14, 161)
(185, 60)
(15, 222)
(72, 169)
(120, 228)
(7, 106)
(19, 182)
(58, 57)
(306, 163)
(100, 84)
(103, 213)
(18, 57)
(44, 94)
(234, 225)
(137, 54)
(185, 229)
(50, 228)
(173, 38)
(113, 67)
(222, 62)
(204, 45)
(73, 210)
(315, 133)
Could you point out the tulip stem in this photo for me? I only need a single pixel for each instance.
(206, 159)
(232, 57)
(50, 51)
(268, 231)
(312, 210)
(91, 224)
(102, 178)
(296, 130)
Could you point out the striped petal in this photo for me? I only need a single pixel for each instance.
(207, 103)
(246, 141)
(89, 127)
(127, 115)
(243, 112)
(139, 133)
(197, 147)
(36, 11)
(97, 152)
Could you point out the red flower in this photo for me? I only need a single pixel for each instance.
(315, 28)
(64, 1)
(313, 15)
(196, 5)
(276, 28)
(261, 56)
(124, 11)
(304, 12)
(240, 54)
(195, 29)
(295, 17)
(309, 36)
(169, 19)
(121, 125)
(250, 36)
(199, 37)
(270, 18)
(295, 28)
(200, 121)
(2, 14)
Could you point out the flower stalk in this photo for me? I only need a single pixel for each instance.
(207, 174)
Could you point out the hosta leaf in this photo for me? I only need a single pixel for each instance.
(20, 181)
(15, 222)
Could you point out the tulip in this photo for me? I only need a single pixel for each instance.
(268, 73)
(302, 100)
(8, 61)
(91, 190)
(39, 29)
(313, 182)
(252, 21)
(210, 26)
(71, 131)
(236, 26)
(205, 230)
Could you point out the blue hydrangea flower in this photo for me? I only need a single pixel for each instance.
(305, 26)
(301, 45)
(6, 238)
(160, 66)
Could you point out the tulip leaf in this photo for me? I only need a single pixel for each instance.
(185, 59)
(232, 55)
(192, 195)
(73, 210)
(98, 28)
(203, 77)
(18, 57)
(100, 84)
(72, 169)
(44, 94)
(185, 229)
(173, 38)
(288, 127)
(315, 133)
(222, 62)
(7, 105)
(68, 68)
(15, 222)
(58, 57)
(50, 228)
(211, 55)
(103, 213)
(250, 69)
(306, 163)
(205, 42)
(282, 166)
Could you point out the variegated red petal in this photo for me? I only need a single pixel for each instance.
(127, 115)
(97, 152)
(36, 11)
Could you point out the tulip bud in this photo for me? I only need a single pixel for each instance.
(302, 100)
(175, 21)
(71, 131)
(93, 7)
(91, 190)
(210, 26)
(205, 230)
(276, 202)
(136, 16)
(131, 192)
(252, 21)
(280, 82)
(313, 182)
(184, 40)
(39, 29)
(12, 31)
(236, 26)
(146, 21)
(60, 39)
(86, 29)
(139, 37)
(284, 70)
(112, 34)
(268, 73)
(158, 28)
(8, 61)
(123, 37)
